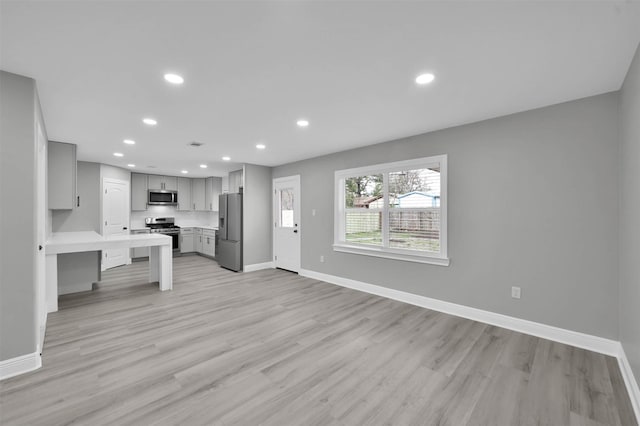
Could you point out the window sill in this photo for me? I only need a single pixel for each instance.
(345, 248)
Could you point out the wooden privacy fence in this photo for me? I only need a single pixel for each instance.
(424, 223)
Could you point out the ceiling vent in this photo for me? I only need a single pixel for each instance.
(195, 144)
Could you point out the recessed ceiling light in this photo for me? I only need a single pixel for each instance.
(174, 78)
(203, 166)
(425, 78)
(261, 146)
(131, 165)
(302, 123)
(185, 171)
(225, 158)
(149, 121)
(129, 142)
(118, 154)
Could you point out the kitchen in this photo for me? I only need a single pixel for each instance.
(190, 211)
(83, 197)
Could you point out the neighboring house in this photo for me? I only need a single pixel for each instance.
(418, 199)
(366, 202)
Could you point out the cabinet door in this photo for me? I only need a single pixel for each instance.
(208, 245)
(198, 243)
(213, 190)
(156, 182)
(184, 194)
(139, 192)
(198, 194)
(216, 190)
(208, 199)
(186, 243)
(62, 175)
(170, 183)
(235, 181)
(225, 184)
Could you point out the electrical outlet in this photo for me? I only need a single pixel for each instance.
(321, 259)
(515, 292)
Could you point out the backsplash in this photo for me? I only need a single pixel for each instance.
(182, 218)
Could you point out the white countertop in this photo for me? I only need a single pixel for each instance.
(213, 228)
(72, 242)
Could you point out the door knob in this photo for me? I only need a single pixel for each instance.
(124, 229)
(39, 248)
(295, 231)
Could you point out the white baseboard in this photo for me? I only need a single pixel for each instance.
(630, 382)
(20, 365)
(258, 266)
(573, 338)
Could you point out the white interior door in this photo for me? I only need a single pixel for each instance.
(286, 233)
(41, 235)
(115, 220)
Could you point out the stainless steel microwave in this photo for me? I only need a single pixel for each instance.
(162, 197)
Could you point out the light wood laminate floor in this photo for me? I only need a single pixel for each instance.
(270, 347)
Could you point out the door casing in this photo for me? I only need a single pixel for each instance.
(292, 260)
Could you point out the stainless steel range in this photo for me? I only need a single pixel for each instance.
(166, 226)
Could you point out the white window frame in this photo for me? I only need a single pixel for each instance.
(341, 245)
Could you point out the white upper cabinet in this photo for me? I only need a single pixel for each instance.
(236, 181)
(139, 192)
(184, 194)
(198, 198)
(156, 182)
(213, 189)
(169, 183)
(62, 172)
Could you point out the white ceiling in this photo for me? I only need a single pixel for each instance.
(252, 69)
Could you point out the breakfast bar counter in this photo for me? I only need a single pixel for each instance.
(160, 258)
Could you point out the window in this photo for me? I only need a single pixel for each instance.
(394, 210)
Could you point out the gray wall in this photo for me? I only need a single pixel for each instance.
(18, 239)
(630, 215)
(112, 172)
(533, 202)
(86, 217)
(257, 215)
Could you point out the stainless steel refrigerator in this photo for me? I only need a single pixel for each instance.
(229, 250)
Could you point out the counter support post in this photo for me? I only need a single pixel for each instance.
(161, 266)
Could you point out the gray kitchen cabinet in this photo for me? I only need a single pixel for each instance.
(184, 194)
(169, 183)
(139, 191)
(156, 182)
(197, 240)
(62, 176)
(236, 181)
(198, 198)
(225, 184)
(209, 242)
(187, 240)
(213, 188)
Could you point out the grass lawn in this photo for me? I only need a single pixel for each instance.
(396, 240)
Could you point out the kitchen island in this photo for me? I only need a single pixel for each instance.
(160, 259)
